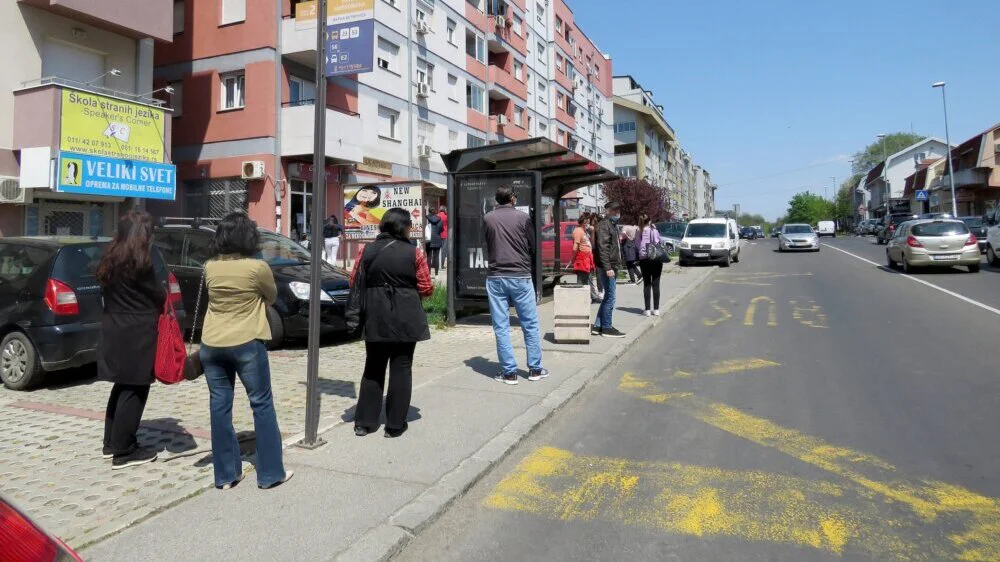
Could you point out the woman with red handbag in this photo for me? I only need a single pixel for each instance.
(134, 295)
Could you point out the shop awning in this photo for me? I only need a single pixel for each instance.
(562, 169)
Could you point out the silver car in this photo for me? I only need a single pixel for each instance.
(798, 237)
(933, 243)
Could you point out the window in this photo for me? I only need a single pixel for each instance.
(391, 3)
(559, 63)
(518, 71)
(421, 16)
(472, 141)
(540, 14)
(626, 171)
(388, 53)
(475, 46)
(425, 132)
(451, 31)
(560, 100)
(301, 91)
(233, 11)
(388, 121)
(517, 25)
(518, 116)
(178, 16)
(452, 87)
(542, 93)
(542, 127)
(496, 7)
(541, 53)
(233, 87)
(559, 25)
(452, 140)
(624, 127)
(425, 73)
(475, 98)
(177, 98)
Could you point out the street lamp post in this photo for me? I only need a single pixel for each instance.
(885, 173)
(947, 140)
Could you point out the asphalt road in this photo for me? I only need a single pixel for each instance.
(797, 407)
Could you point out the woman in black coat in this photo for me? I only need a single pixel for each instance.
(396, 278)
(133, 300)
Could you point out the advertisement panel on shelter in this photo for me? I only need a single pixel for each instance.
(474, 197)
(103, 126)
(86, 174)
(364, 206)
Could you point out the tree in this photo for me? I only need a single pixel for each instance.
(752, 219)
(637, 197)
(844, 206)
(808, 208)
(872, 154)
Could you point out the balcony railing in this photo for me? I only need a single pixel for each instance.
(311, 102)
(57, 81)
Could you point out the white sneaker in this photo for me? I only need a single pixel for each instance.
(647, 313)
(656, 312)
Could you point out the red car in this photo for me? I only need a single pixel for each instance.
(565, 246)
(22, 540)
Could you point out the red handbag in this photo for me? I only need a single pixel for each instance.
(171, 355)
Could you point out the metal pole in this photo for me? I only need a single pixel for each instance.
(885, 175)
(312, 440)
(951, 169)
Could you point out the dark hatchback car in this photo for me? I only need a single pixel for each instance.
(51, 305)
(977, 226)
(186, 248)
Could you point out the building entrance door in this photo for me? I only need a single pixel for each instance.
(301, 209)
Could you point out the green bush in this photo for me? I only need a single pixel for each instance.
(436, 307)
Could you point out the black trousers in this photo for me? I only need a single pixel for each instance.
(651, 271)
(634, 272)
(433, 258)
(121, 420)
(399, 357)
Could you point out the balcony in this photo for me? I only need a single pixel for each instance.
(565, 118)
(502, 37)
(343, 141)
(38, 113)
(970, 177)
(512, 86)
(133, 18)
(298, 44)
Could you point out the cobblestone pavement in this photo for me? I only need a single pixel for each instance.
(50, 457)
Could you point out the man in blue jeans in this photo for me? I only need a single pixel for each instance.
(607, 261)
(510, 247)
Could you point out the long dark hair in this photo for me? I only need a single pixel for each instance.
(643, 220)
(396, 222)
(236, 234)
(130, 252)
(354, 200)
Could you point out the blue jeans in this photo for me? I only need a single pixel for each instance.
(504, 292)
(249, 361)
(610, 285)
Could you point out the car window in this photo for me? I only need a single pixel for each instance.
(77, 265)
(18, 262)
(548, 233)
(973, 222)
(171, 245)
(798, 229)
(706, 230)
(940, 229)
(278, 250)
(198, 249)
(568, 231)
(900, 232)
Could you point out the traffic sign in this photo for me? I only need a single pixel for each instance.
(921, 195)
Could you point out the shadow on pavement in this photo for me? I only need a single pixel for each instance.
(335, 387)
(483, 366)
(168, 434)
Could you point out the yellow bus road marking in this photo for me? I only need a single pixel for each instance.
(808, 313)
(755, 279)
(704, 502)
(731, 366)
(722, 306)
(772, 311)
(973, 519)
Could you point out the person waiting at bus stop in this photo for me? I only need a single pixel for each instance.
(511, 247)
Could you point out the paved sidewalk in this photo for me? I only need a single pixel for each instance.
(359, 498)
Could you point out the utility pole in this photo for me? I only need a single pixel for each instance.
(312, 439)
(885, 173)
(947, 140)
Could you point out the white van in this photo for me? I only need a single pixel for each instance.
(826, 228)
(710, 240)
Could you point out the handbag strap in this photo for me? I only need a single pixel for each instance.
(197, 307)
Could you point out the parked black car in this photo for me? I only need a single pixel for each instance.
(978, 229)
(887, 227)
(51, 305)
(186, 247)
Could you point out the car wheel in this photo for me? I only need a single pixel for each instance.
(19, 363)
(736, 258)
(277, 328)
(907, 268)
(888, 260)
(728, 261)
(974, 268)
(991, 257)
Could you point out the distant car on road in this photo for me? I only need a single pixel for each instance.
(887, 227)
(710, 240)
(798, 237)
(748, 233)
(933, 243)
(826, 228)
(977, 227)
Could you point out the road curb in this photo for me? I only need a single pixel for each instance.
(388, 538)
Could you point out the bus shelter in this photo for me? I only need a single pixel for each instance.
(538, 170)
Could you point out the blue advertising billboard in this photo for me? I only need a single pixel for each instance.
(350, 47)
(88, 174)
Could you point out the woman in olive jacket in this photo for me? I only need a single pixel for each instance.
(396, 279)
(133, 299)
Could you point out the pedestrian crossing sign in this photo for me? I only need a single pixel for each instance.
(921, 195)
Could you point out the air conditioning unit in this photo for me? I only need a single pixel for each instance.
(423, 27)
(252, 170)
(424, 150)
(501, 21)
(11, 190)
(423, 89)
(501, 119)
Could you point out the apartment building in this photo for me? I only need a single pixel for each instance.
(75, 89)
(448, 74)
(643, 137)
(704, 193)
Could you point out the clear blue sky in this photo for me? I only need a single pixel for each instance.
(756, 89)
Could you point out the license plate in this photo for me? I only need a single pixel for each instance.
(944, 258)
(700, 255)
